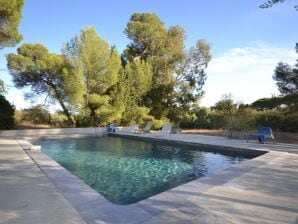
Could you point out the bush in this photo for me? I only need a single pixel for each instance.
(157, 124)
(279, 120)
(6, 114)
(240, 123)
(18, 116)
(36, 115)
(59, 120)
(242, 120)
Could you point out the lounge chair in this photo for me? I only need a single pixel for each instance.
(165, 130)
(147, 127)
(262, 135)
(111, 128)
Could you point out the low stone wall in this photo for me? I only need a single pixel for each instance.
(56, 131)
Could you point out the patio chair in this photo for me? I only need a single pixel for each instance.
(111, 128)
(262, 135)
(147, 127)
(165, 130)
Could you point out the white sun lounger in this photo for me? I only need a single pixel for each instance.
(166, 130)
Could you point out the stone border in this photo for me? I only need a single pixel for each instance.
(202, 146)
(54, 131)
(94, 208)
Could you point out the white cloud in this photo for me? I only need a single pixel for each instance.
(245, 72)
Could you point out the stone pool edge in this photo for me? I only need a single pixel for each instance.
(93, 207)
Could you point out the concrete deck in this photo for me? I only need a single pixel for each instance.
(261, 190)
(26, 194)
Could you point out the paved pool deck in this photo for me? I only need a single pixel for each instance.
(26, 194)
(35, 189)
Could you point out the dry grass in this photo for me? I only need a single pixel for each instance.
(29, 125)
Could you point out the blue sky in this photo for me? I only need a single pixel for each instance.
(247, 42)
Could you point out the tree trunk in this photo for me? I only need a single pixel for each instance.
(70, 120)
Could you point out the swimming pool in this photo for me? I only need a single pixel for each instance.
(126, 171)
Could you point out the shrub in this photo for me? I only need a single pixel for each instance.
(36, 115)
(59, 120)
(6, 114)
(279, 120)
(240, 123)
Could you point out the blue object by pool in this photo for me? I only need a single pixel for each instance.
(125, 171)
(263, 134)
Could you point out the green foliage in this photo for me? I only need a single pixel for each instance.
(2, 87)
(6, 114)
(96, 67)
(156, 79)
(178, 76)
(286, 77)
(242, 120)
(58, 119)
(10, 17)
(204, 118)
(190, 78)
(46, 73)
(270, 3)
(163, 48)
(158, 123)
(134, 83)
(275, 102)
(225, 106)
(36, 115)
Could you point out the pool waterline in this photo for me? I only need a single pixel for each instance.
(125, 171)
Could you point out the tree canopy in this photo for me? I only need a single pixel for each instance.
(155, 78)
(177, 75)
(286, 77)
(270, 3)
(10, 17)
(134, 83)
(97, 66)
(46, 73)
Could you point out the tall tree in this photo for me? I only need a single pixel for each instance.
(134, 83)
(10, 16)
(191, 74)
(178, 76)
(190, 78)
(225, 106)
(46, 73)
(99, 65)
(163, 48)
(286, 77)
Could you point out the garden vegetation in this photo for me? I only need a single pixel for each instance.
(155, 78)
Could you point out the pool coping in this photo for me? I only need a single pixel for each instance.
(206, 147)
(94, 208)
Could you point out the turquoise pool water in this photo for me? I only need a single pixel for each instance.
(125, 171)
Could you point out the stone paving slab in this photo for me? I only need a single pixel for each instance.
(26, 194)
